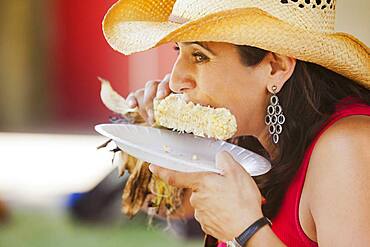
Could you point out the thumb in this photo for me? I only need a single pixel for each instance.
(226, 163)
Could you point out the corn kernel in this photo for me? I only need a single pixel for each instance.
(166, 148)
(175, 113)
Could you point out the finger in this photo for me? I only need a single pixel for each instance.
(196, 215)
(193, 200)
(232, 168)
(204, 229)
(207, 229)
(131, 100)
(149, 94)
(139, 95)
(177, 179)
(163, 89)
(226, 163)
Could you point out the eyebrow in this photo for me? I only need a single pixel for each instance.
(202, 45)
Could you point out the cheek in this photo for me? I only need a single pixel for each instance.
(225, 84)
(235, 88)
(250, 99)
(247, 102)
(211, 90)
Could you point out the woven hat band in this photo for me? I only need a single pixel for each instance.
(312, 15)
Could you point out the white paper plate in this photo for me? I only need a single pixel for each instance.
(176, 151)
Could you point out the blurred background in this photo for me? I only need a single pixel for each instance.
(51, 53)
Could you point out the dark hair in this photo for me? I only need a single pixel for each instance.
(308, 99)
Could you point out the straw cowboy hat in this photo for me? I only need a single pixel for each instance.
(303, 29)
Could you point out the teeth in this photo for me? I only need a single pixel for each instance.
(175, 113)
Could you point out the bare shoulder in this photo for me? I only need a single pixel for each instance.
(339, 181)
(350, 132)
(343, 147)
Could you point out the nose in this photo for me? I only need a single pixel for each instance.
(182, 78)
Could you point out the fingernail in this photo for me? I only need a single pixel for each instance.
(222, 173)
(151, 168)
(131, 103)
(160, 94)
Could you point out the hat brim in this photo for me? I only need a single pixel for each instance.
(338, 52)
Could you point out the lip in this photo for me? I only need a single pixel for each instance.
(188, 99)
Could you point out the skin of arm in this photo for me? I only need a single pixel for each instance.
(211, 196)
(339, 192)
(264, 237)
(339, 189)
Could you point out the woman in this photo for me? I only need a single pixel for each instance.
(299, 89)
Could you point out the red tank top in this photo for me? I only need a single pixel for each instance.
(286, 223)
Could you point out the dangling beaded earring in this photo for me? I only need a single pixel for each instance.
(275, 117)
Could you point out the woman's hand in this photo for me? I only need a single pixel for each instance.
(143, 98)
(225, 205)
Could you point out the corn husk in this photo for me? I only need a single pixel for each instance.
(141, 187)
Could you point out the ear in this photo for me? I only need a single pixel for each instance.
(282, 68)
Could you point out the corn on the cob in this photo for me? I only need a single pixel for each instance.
(175, 113)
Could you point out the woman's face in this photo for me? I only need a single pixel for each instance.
(211, 73)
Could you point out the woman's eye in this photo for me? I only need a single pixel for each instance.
(199, 57)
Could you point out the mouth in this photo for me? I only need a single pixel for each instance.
(189, 99)
(186, 98)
